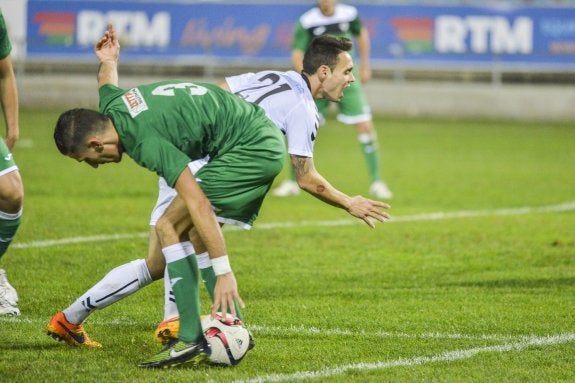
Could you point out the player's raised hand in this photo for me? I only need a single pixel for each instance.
(367, 209)
(108, 47)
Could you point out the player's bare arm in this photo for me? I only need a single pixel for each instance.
(9, 100)
(309, 179)
(364, 48)
(108, 52)
(204, 221)
(297, 60)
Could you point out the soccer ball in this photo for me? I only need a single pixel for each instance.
(228, 339)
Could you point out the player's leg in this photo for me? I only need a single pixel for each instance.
(354, 110)
(119, 283)
(11, 200)
(191, 347)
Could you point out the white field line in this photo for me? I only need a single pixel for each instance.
(297, 330)
(564, 207)
(380, 334)
(517, 343)
(446, 357)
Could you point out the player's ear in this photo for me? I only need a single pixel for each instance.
(96, 144)
(323, 71)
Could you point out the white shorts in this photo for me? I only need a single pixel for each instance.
(166, 194)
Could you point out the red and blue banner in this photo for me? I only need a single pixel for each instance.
(260, 32)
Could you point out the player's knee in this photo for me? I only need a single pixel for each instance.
(365, 127)
(156, 266)
(166, 231)
(11, 193)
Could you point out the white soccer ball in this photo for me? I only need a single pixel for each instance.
(228, 338)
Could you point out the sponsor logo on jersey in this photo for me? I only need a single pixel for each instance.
(135, 102)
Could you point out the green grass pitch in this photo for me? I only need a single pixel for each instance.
(472, 281)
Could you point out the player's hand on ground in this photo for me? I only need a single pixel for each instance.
(108, 47)
(225, 293)
(367, 209)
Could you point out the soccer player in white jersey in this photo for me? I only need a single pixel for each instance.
(288, 100)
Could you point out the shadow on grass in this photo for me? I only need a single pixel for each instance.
(31, 347)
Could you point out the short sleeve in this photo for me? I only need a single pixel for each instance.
(161, 157)
(301, 38)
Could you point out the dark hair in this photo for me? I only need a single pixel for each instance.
(324, 50)
(74, 126)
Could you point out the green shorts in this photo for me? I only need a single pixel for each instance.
(353, 107)
(7, 163)
(236, 182)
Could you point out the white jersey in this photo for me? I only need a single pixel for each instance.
(287, 101)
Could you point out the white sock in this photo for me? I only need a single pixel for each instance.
(170, 308)
(122, 281)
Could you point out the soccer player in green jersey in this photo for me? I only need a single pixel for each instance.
(164, 127)
(288, 100)
(331, 18)
(11, 188)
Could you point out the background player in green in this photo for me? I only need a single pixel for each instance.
(11, 188)
(341, 20)
(164, 127)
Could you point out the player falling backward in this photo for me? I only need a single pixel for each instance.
(288, 100)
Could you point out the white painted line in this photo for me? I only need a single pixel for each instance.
(447, 357)
(380, 334)
(564, 207)
(294, 329)
(68, 241)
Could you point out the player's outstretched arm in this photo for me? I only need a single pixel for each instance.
(108, 52)
(309, 179)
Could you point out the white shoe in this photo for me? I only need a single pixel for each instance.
(287, 188)
(379, 190)
(7, 290)
(6, 308)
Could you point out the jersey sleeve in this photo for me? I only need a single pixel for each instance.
(161, 157)
(5, 46)
(301, 132)
(356, 26)
(240, 82)
(108, 93)
(301, 38)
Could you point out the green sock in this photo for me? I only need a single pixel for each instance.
(370, 149)
(9, 224)
(183, 273)
(209, 278)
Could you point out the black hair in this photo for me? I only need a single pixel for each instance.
(324, 50)
(74, 126)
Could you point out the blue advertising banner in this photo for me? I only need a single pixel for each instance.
(247, 32)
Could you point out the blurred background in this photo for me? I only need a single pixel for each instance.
(510, 59)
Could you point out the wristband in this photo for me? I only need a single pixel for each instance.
(221, 265)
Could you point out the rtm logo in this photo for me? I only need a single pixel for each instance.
(134, 29)
(483, 34)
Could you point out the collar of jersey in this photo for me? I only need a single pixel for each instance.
(303, 74)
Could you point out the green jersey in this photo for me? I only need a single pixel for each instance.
(5, 47)
(165, 125)
(344, 22)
